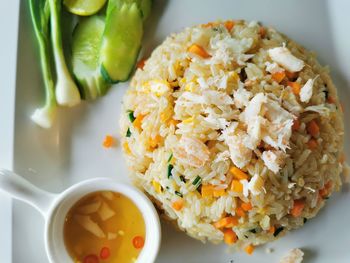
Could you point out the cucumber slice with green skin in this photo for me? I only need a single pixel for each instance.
(86, 46)
(121, 40)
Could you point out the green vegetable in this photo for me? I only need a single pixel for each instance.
(197, 181)
(40, 14)
(277, 231)
(121, 40)
(170, 157)
(131, 116)
(170, 169)
(67, 93)
(85, 57)
(178, 193)
(128, 133)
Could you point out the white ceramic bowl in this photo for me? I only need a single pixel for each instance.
(54, 208)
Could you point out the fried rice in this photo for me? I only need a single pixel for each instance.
(235, 131)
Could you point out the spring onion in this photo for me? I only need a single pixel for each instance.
(197, 181)
(67, 93)
(178, 193)
(170, 169)
(131, 115)
(170, 157)
(40, 14)
(128, 133)
(278, 230)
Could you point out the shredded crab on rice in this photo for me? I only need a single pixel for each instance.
(234, 131)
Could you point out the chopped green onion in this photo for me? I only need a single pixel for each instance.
(278, 230)
(167, 187)
(170, 168)
(128, 133)
(253, 230)
(131, 115)
(178, 193)
(182, 178)
(170, 157)
(197, 182)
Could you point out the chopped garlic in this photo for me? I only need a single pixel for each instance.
(306, 90)
(89, 225)
(283, 57)
(108, 195)
(294, 256)
(111, 236)
(105, 212)
(89, 208)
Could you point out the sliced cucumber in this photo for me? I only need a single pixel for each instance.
(121, 40)
(85, 57)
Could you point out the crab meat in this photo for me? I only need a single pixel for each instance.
(191, 151)
(241, 97)
(273, 159)
(273, 67)
(283, 57)
(306, 90)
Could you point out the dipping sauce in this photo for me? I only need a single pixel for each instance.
(104, 227)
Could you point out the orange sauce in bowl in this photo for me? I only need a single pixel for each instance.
(104, 227)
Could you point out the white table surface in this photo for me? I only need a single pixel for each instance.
(8, 53)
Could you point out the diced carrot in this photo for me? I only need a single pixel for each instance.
(249, 249)
(295, 87)
(173, 122)
(272, 229)
(178, 204)
(108, 141)
(298, 207)
(219, 192)
(291, 75)
(236, 186)
(238, 173)
(312, 144)
(229, 25)
(126, 148)
(262, 32)
(278, 76)
(240, 212)
(198, 50)
(141, 63)
(296, 125)
(312, 128)
(331, 99)
(324, 192)
(229, 221)
(230, 237)
(138, 121)
(153, 142)
(207, 190)
(246, 206)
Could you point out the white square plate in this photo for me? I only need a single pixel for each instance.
(71, 151)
